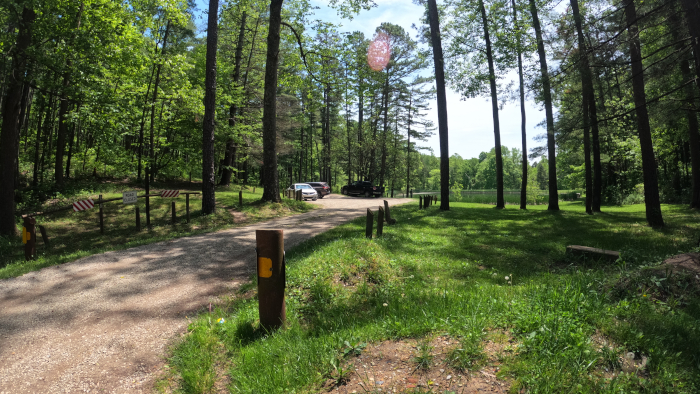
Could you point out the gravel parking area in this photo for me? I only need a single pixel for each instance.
(103, 323)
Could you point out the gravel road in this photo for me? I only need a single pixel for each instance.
(103, 323)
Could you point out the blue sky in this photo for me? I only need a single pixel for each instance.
(470, 121)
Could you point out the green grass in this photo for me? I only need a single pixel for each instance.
(440, 273)
(74, 235)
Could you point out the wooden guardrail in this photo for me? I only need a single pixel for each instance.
(29, 225)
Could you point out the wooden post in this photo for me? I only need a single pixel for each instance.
(29, 238)
(44, 236)
(173, 212)
(271, 278)
(380, 222)
(420, 202)
(240, 198)
(411, 193)
(253, 189)
(138, 219)
(370, 224)
(387, 212)
(102, 220)
(148, 209)
(187, 206)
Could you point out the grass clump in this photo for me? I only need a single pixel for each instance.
(443, 273)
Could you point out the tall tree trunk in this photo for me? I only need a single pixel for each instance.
(442, 105)
(500, 202)
(693, 132)
(549, 115)
(408, 145)
(382, 169)
(208, 179)
(270, 183)
(651, 186)
(37, 142)
(586, 88)
(230, 150)
(692, 17)
(596, 200)
(523, 132)
(347, 128)
(63, 110)
(360, 120)
(151, 137)
(9, 133)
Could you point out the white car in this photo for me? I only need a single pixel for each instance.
(307, 192)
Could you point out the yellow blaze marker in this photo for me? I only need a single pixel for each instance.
(264, 267)
(25, 235)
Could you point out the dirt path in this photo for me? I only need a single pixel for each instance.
(103, 323)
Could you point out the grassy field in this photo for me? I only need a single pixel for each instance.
(466, 274)
(74, 235)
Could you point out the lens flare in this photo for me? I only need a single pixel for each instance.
(379, 52)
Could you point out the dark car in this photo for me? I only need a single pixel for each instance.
(365, 188)
(321, 188)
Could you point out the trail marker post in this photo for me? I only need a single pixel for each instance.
(29, 238)
(271, 278)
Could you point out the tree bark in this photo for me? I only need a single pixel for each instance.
(586, 88)
(385, 128)
(438, 60)
(523, 132)
(692, 17)
(230, 151)
(9, 134)
(549, 115)
(651, 186)
(154, 100)
(208, 179)
(37, 142)
(270, 181)
(500, 202)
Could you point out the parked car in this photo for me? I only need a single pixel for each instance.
(321, 188)
(365, 188)
(307, 192)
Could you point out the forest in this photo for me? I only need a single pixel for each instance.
(269, 94)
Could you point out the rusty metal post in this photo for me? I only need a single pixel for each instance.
(102, 218)
(29, 238)
(187, 206)
(420, 202)
(240, 198)
(370, 224)
(174, 220)
(44, 236)
(380, 222)
(138, 219)
(271, 278)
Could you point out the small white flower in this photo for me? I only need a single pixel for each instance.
(507, 278)
(494, 275)
(385, 304)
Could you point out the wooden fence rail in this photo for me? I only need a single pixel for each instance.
(29, 229)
